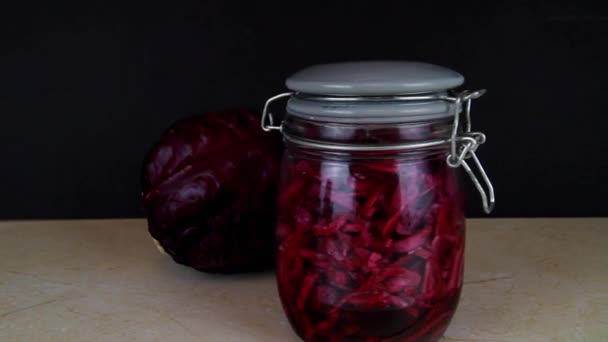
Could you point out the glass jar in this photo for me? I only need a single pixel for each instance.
(370, 229)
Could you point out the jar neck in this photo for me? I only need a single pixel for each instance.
(430, 136)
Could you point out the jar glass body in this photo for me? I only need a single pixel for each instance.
(370, 245)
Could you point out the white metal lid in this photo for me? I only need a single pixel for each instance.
(374, 78)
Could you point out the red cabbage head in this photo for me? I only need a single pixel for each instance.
(209, 187)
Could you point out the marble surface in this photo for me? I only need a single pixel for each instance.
(104, 280)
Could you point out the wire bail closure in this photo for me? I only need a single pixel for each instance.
(462, 146)
(459, 153)
(267, 119)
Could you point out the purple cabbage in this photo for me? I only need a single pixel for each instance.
(209, 187)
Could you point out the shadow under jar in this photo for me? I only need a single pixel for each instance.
(370, 229)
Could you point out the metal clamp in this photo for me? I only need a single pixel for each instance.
(467, 150)
(488, 199)
(462, 146)
(267, 116)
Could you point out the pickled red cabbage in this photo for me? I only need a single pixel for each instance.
(209, 187)
(369, 250)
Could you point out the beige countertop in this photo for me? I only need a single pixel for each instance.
(104, 280)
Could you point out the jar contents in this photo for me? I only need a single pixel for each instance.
(369, 249)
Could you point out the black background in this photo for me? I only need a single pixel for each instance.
(87, 87)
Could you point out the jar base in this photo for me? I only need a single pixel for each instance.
(383, 329)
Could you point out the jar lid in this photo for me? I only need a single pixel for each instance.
(374, 78)
(380, 112)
